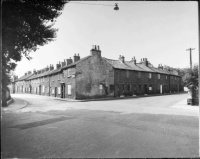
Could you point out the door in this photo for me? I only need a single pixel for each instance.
(55, 91)
(161, 89)
(62, 90)
(40, 90)
(145, 89)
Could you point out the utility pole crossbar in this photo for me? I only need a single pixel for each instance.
(190, 49)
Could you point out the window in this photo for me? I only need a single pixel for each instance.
(69, 89)
(127, 73)
(134, 87)
(58, 90)
(175, 78)
(150, 87)
(52, 91)
(166, 76)
(58, 76)
(158, 76)
(112, 88)
(139, 74)
(150, 75)
(140, 87)
(43, 89)
(100, 87)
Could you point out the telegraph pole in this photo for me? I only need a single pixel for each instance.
(190, 49)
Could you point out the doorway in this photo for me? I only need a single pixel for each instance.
(62, 90)
(161, 89)
(39, 89)
(145, 89)
(55, 91)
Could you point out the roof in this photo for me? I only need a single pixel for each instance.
(127, 65)
(164, 71)
(73, 64)
(25, 77)
(56, 70)
(118, 64)
(147, 69)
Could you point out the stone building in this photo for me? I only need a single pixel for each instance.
(95, 76)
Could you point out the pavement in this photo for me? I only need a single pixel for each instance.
(16, 104)
(19, 103)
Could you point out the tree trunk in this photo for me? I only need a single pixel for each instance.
(4, 100)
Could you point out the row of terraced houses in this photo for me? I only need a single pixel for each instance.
(95, 76)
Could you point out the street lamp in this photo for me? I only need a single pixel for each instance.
(116, 6)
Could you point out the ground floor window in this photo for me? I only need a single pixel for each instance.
(53, 91)
(128, 87)
(134, 87)
(150, 87)
(69, 88)
(112, 88)
(140, 87)
(58, 90)
(43, 89)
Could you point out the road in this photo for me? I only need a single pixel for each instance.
(140, 127)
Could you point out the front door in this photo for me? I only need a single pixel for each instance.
(161, 89)
(55, 91)
(145, 89)
(62, 90)
(40, 90)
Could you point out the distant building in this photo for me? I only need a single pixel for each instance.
(95, 77)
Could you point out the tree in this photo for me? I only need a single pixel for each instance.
(187, 74)
(25, 26)
(191, 76)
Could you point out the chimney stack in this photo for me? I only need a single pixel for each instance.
(63, 63)
(51, 67)
(160, 66)
(47, 68)
(144, 61)
(69, 61)
(134, 60)
(121, 58)
(34, 71)
(76, 57)
(58, 65)
(95, 51)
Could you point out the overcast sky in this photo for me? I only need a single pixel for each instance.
(158, 31)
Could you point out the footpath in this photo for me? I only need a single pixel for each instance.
(20, 104)
(15, 104)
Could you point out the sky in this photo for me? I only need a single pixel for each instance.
(159, 31)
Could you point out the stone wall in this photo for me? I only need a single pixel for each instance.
(94, 77)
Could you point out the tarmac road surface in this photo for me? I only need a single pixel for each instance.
(160, 126)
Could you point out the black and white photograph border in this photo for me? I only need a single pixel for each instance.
(100, 79)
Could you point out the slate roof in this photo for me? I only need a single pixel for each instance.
(163, 71)
(73, 64)
(56, 70)
(147, 69)
(127, 65)
(118, 64)
(25, 77)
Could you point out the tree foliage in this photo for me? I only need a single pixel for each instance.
(187, 74)
(25, 26)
